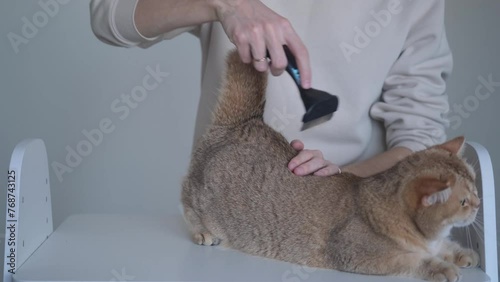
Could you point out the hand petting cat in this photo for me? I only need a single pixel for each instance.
(310, 162)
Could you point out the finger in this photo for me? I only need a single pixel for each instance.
(303, 157)
(297, 145)
(301, 54)
(300, 158)
(258, 49)
(330, 169)
(241, 41)
(275, 48)
(310, 167)
(244, 52)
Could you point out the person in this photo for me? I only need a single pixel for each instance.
(387, 61)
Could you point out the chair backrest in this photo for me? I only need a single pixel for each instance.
(482, 236)
(29, 209)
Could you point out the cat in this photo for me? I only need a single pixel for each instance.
(239, 193)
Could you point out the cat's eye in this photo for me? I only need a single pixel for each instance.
(462, 202)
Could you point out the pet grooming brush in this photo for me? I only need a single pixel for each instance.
(319, 105)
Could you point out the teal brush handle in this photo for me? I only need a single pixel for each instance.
(317, 103)
(291, 67)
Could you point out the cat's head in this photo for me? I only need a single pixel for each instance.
(440, 186)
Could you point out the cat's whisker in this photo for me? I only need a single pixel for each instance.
(474, 167)
(475, 164)
(469, 240)
(479, 215)
(479, 221)
(471, 245)
(479, 235)
(479, 226)
(478, 232)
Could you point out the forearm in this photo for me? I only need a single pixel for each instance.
(378, 163)
(155, 17)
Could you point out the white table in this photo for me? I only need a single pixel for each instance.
(138, 248)
(107, 247)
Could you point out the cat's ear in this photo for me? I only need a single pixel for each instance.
(434, 190)
(455, 146)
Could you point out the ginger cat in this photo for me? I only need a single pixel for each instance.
(240, 193)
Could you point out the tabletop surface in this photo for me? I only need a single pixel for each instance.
(104, 247)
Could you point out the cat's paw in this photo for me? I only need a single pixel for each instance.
(441, 271)
(205, 239)
(466, 258)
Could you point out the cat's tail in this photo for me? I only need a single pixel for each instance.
(242, 94)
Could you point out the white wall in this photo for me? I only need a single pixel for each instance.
(473, 34)
(472, 28)
(64, 81)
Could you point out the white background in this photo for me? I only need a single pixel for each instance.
(64, 81)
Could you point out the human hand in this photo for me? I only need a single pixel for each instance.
(310, 162)
(254, 28)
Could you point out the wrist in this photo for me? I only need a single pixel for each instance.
(221, 8)
(215, 7)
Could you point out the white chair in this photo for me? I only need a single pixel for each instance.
(112, 247)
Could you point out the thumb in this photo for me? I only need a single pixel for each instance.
(297, 145)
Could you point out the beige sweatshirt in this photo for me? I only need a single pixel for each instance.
(386, 60)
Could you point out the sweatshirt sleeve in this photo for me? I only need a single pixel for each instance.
(112, 22)
(414, 100)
